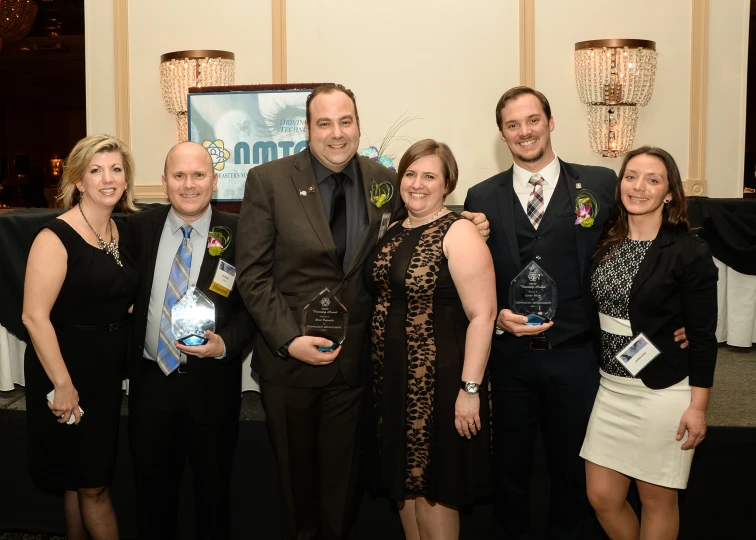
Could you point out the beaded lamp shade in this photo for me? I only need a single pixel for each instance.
(183, 69)
(16, 19)
(614, 77)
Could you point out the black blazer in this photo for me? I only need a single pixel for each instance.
(495, 197)
(288, 257)
(217, 382)
(676, 286)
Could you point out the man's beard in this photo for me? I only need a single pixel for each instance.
(536, 157)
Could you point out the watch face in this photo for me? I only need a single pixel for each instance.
(471, 387)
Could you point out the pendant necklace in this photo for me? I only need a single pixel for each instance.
(111, 248)
(408, 222)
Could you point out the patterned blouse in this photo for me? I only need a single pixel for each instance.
(610, 285)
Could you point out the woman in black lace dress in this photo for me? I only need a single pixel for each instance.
(650, 277)
(433, 279)
(80, 282)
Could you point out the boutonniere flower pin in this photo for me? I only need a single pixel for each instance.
(381, 193)
(218, 239)
(586, 208)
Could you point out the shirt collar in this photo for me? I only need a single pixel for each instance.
(201, 225)
(550, 174)
(322, 173)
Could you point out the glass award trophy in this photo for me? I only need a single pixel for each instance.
(325, 316)
(192, 316)
(534, 294)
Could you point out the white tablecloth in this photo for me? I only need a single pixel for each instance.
(12, 364)
(736, 303)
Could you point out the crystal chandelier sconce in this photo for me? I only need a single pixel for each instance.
(16, 19)
(614, 77)
(182, 69)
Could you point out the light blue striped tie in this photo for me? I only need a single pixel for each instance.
(178, 281)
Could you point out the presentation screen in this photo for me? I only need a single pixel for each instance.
(242, 129)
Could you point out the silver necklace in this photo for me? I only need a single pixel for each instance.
(408, 222)
(111, 248)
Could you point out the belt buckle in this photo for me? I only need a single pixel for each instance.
(112, 327)
(181, 369)
(539, 343)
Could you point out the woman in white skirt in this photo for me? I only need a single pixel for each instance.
(650, 276)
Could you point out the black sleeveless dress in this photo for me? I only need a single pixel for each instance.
(95, 293)
(418, 335)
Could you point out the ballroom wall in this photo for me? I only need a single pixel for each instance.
(445, 63)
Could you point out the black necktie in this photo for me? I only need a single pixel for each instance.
(338, 219)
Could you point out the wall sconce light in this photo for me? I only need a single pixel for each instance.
(181, 69)
(614, 77)
(56, 167)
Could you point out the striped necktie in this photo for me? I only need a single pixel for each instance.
(535, 201)
(178, 281)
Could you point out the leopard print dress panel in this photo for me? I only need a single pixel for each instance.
(416, 365)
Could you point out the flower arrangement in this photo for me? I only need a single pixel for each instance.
(381, 193)
(218, 240)
(586, 208)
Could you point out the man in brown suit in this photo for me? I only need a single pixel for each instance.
(311, 225)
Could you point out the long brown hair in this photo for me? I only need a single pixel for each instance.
(674, 213)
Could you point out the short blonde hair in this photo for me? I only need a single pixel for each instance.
(79, 159)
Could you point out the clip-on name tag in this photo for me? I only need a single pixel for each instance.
(385, 219)
(223, 282)
(637, 354)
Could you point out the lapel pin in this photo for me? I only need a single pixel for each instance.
(303, 193)
(579, 185)
(312, 189)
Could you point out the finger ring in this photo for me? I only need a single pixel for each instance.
(469, 424)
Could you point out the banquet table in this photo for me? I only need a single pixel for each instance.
(728, 225)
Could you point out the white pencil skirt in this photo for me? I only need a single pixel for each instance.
(632, 431)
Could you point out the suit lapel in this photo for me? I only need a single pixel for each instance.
(571, 177)
(208, 262)
(504, 205)
(648, 264)
(312, 203)
(153, 233)
(374, 215)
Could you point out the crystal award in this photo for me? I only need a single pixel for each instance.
(534, 294)
(325, 316)
(192, 316)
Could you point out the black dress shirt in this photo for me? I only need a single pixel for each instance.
(357, 218)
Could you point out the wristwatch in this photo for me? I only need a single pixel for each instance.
(470, 387)
(283, 351)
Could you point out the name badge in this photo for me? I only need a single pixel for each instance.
(385, 219)
(223, 282)
(637, 354)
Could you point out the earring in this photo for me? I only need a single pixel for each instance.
(667, 201)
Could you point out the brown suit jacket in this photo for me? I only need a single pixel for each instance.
(286, 255)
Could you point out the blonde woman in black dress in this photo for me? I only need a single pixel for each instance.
(80, 282)
(650, 275)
